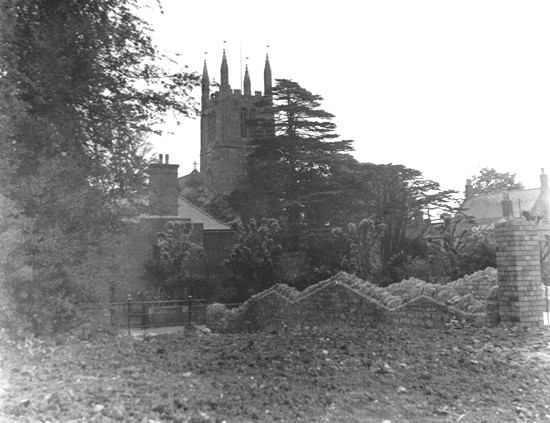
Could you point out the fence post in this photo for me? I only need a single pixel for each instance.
(189, 310)
(145, 314)
(129, 310)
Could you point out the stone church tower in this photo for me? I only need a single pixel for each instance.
(226, 127)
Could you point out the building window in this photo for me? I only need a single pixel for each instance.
(247, 123)
(251, 123)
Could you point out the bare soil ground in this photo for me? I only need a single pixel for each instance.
(373, 375)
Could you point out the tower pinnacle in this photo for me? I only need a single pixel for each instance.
(267, 77)
(247, 86)
(224, 74)
(205, 83)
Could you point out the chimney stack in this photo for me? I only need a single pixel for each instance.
(469, 189)
(543, 180)
(163, 188)
(507, 207)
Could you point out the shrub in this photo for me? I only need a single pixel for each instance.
(254, 261)
(459, 248)
(169, 272)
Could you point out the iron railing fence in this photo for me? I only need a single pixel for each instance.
(147, 314)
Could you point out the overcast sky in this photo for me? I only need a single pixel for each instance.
(444, 87)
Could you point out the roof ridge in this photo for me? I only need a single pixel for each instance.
(504, 192)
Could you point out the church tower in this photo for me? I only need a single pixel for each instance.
(226, 127)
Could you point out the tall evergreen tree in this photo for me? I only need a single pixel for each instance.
(293, 161)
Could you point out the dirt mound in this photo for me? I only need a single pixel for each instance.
(371, 375)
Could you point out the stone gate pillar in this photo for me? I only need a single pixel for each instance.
(544, 237)
(520, 297)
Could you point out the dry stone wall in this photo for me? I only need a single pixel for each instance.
(346, 301)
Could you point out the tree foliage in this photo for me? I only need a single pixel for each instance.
(90, 70)
(253, 264)
(80, 89)
(300, 172)
(400, 198)
(489, 181)
(458, 248)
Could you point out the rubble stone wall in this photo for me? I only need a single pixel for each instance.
(346, 301)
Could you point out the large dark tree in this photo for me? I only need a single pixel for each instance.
(293, 162)
(81, 88)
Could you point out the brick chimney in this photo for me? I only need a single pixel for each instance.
(163, 188)
(469, 189)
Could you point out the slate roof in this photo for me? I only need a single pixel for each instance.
(487, 208)
(190, 211)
